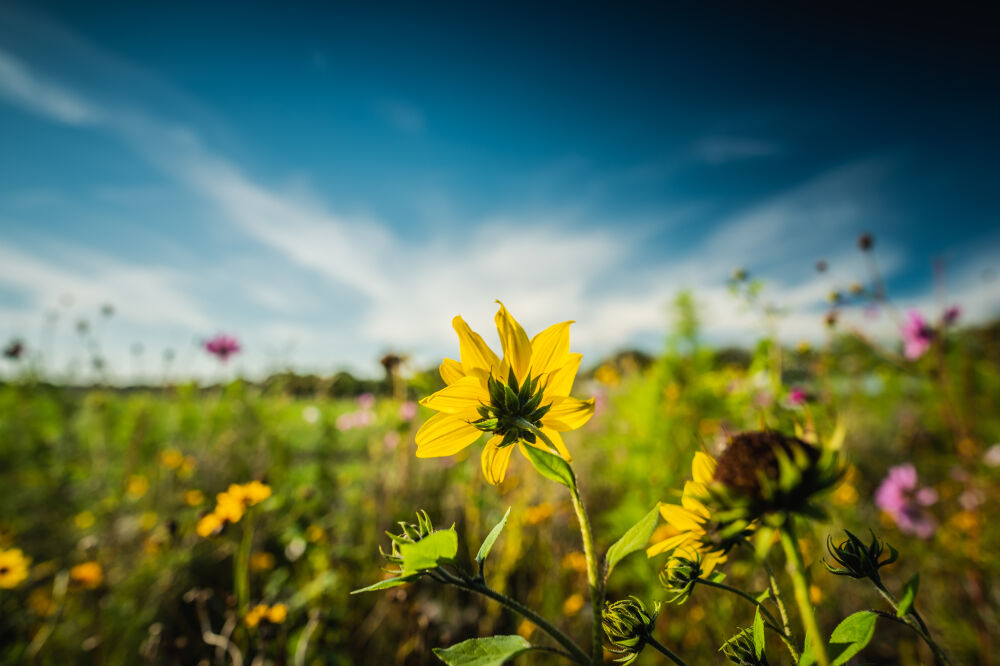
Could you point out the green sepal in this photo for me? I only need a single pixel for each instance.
(491, 538)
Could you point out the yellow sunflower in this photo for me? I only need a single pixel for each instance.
(13, 568)
(687, 520)
(511, 398)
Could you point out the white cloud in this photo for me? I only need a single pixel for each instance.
(23, 88)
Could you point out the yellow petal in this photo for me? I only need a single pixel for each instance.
(462, 397)
(451, 371)
(560, 381)
(703, 467)
(550, 348)
(668, 544)
(515, 342)
(709, 562)
(690, 500)
(444, 435)
(495, 460)
(475, 354)
(680, 517)
(568, 413)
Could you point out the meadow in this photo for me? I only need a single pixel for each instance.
(106, 493)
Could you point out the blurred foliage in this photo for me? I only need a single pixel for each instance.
(121, 478)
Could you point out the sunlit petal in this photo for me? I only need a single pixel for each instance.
(444, 435)
(679, 517)
(451, 371)
(515, 343)
(495, 460)
(568, 413)
(550, 348)
(462, 397)
(560, 381)
(475, 354)
(703, 467)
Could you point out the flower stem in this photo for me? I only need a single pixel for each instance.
(918, 625)
(778, 599)
(594, 580)
(769, 619)
(795, 570)
(241, 568)
(665, 650)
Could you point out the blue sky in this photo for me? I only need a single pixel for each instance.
(330, 183)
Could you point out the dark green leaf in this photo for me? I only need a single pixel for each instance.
(491, 538)
(909, 596)
(634, 539)
(492, 651)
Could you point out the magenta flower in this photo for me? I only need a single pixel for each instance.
(951, 315)
(408, 410)
(899, 496)
(222, 347)
(917, 335)
(797, 396)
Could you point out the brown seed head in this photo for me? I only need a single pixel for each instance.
(865, 241)
(750, 454)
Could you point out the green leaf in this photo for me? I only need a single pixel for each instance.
(492, 651)
(909, 596)
(634, 539)
(429, 552)
(716, 576)
(808, 658)
(758, 634)
(386, 584)
(491, 538)
(852, 635)
(551, 466)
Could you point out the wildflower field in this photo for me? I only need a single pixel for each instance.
(230, 523)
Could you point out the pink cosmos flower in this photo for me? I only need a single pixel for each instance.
(917, 335)
(797, 396)
(366, 400)
(222, 347)
(899, 496)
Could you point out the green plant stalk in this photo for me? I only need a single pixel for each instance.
(665, 651)
(918, 626)
(769, 621)
(479, 586)
(241, 568)
(594, 580)
(795, 570)
(778, 599)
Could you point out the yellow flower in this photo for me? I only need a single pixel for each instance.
(194, 497)
(687, 520)
(137, 486)
(171, 458)
(13, 568)
(539, 513)
(315, 534)
(573, 604)
(255, 615)
(84, 519)
(527, 390)
(228, 507)
(261, 561)
(208, 525)
(255, 492)
(277, 613)
(148, 520)
(88, 574)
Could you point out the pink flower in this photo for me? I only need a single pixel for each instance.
(899, 497)
(222, 347)
(366, 400)
(917, 335)
(951, 315)
(797, 396)
(408, 410)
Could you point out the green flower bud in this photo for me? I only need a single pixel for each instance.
(627, 627)
(858, 560)
(411, 533)
(740, 650)
(679, 576)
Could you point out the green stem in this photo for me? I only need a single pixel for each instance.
(796, 571)
(593, 576)
(665, 650)
(241, 568)
(918, 625)
(778, 599)
(480, 587)
(769, 621)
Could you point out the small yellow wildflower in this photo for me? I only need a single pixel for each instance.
(315, 534)
(573, 604)
(208, 525)
(171, 458)
(261, 561)
(525, 629)
(255, 615)
(255, 492)
(137, 486)
(186, 468)
(277, 613)
(689, 517)
(537, 514)
(229, 507)
(88, 575)
(13, 568)
(527, 390)
(84, 520)
(194, 497)
(607, 375)
(575, 561)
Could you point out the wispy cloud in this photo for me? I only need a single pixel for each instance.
(724, 149)
(401, 116)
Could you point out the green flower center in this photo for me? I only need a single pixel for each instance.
(512, 408)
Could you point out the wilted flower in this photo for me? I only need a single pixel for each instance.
(866, 242)
(13, 568)
(899, 496)
(222, 346)
(858, 560)
(917, 335)
(13, 350)
(627, 626)
(88, 575)
(512, 399)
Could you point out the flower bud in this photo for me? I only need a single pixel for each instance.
(858, 560)
(679, 576)
(627, 627)
(411, 533)
(740, 650)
